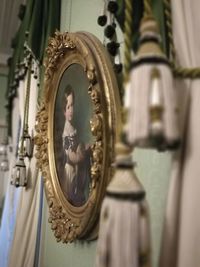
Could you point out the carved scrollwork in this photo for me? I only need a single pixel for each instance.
(57, 47)
(70, 222)
(91, 75)
(64, 227)
(96, 126)
(41, 139)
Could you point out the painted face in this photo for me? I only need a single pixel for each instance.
(69, 109)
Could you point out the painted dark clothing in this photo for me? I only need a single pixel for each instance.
(77, 166)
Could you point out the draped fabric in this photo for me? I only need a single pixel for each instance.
(19, 229)
(11, 197)
(19, 221)
(39, 228)
(28, 203)
(181, 238)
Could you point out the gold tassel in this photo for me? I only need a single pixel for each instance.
(19, 175)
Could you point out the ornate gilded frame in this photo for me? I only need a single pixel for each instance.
(67, 221)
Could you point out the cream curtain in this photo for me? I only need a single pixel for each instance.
(181, 236)
(11, 196)
(24, 242)
(20, 218)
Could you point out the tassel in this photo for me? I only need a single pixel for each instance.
(3, 149)
(113, 7)
(124, 238)
(19, 177)
(4, 165)
(28, 145)
(19, 174)
(102, 19)
(152, 119)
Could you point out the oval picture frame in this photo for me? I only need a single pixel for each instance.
(77, 126)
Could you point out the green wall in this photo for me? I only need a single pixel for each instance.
(153, 168)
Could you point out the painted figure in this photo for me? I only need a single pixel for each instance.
(76, 155)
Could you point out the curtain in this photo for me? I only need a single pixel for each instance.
(181, 236)
(40, 20)
(11, 196)
(22, 251)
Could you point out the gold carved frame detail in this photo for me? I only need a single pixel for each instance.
(67, 221)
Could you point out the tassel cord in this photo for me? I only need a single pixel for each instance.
(168, 14)
(27, 98)
(179, 71)
(26, 107)
(147, 9)
(127, 39)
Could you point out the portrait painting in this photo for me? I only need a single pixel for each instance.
(72, 135)
(77, 126)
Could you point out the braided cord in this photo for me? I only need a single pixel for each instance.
(179, 72)
(168, 14)
(187, 73)
(147, 8)
(26, 108)
(27, 97)
(127, 39)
